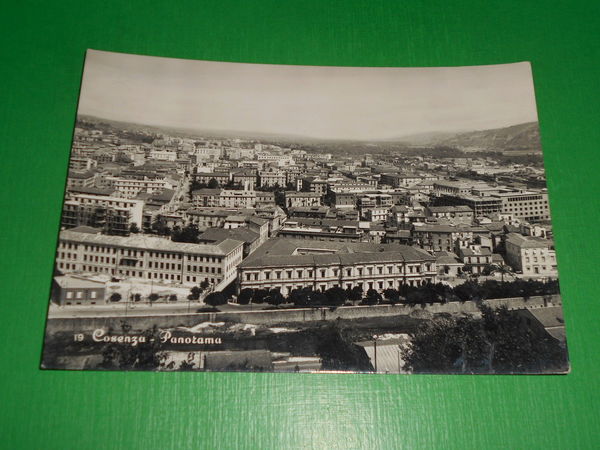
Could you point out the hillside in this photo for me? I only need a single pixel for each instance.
(522, 137)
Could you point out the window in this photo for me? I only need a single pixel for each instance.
(79, 294)
(69, 295)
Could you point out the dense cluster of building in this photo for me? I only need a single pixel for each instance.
(271, 217)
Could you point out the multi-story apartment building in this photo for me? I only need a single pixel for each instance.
(446, 237)
(148, 257)
(312, 184)
(455, 188)
(212, 217)
(270, 178)
(246, 178)
(207, 153)
(528, 205)
(330, 231)
(81, 179)
(202, 198)
(230, 198)
(131, 187)
(532, 256)
(280, 160)
(113, 215)
(342, 199)
(163, 155)
(295, 199)
(375, 213)
(289, 264)
(399, 180)
(484, 205)
(457, 214)
(475, 257)
(222, 177)
(82, 163)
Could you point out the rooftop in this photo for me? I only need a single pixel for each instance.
(148, 242)
(282, 252)
(72, 282)
(528, 241)
(221, 234)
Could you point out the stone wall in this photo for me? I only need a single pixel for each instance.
(291, 315)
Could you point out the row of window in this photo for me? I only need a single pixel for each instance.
(79, 294)
(133, 273)
(133, 253)
(300, 273)
(379, 285)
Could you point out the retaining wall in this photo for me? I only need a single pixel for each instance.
(290, 315)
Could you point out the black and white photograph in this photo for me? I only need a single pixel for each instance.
(240, 217)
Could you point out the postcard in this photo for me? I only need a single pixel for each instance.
(274, 218)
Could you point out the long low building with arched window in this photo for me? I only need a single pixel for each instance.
(289, 264)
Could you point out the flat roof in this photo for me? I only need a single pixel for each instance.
(147, 242)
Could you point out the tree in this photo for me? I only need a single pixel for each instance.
(159, 226)
(153, 297)
(300, 297)
(495, 343)
(195, 293)
(336, 296)
(502, 269)
(215, 299)
(213, 184)
(187, 234)
(146, 355)
(134, 228)
(260, 295)
(245, 296)
(204, 284)
(116, 297)
(317, 298)
(372, 298)
(172, 298)
(274, 297)
(392, 295)
(469, 290)
(415, 297)
(354, 294)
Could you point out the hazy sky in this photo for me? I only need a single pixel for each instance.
(326, 102)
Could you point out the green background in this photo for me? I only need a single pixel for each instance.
(42, 47)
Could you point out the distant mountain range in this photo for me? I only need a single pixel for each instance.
(522, 137)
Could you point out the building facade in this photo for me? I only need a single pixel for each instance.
(532, 256)
(148, 258)
(321, 267)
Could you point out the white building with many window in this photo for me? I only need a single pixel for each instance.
(148, 258)
(533, 256)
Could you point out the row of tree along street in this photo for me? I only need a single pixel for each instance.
(412, 295)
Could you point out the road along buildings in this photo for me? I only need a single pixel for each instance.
(289, 264)
(148, 258)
